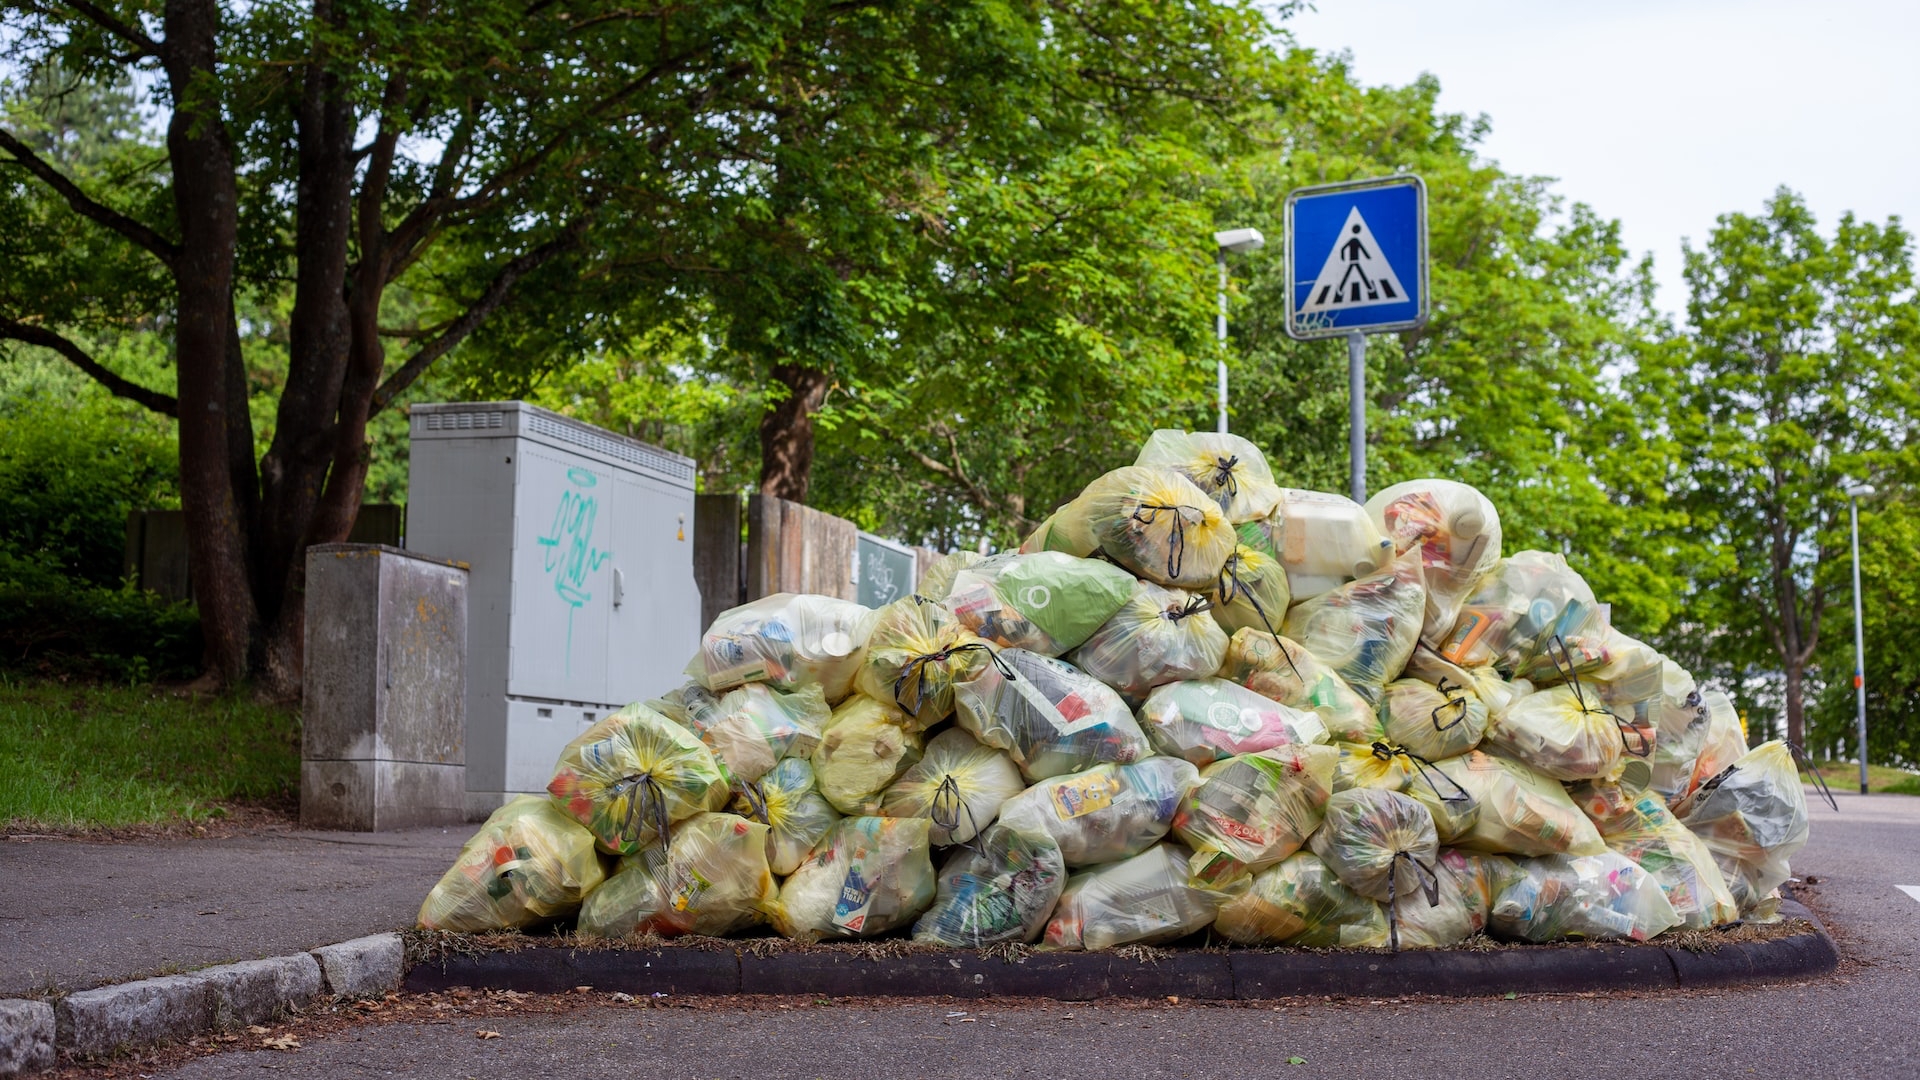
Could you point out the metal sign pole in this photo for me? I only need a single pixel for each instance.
(1220, 327)
(1859, 646)
(1357, 413)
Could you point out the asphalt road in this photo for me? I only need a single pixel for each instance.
(1860, 1022)
(80, 913)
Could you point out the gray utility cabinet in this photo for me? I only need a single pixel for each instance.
(582, 596)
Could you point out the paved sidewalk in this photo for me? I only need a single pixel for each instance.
(82, 913)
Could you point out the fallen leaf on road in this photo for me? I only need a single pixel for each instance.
(1296, 1060)
(486, 1034)
(256, 1029)
(1173, 999)
(284, 1042)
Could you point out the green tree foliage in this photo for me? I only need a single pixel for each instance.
(1799, 370)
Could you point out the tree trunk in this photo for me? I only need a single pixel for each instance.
(786, 433)
(206, 200)
(1796, 706)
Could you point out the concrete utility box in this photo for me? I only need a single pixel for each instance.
(383, 717)
(583, 598)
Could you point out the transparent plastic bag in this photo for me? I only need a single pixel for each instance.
(796, 814)
(1639, 825)
(1524, 601)
(937, 582)
(1565, 732)
(1391, 767)
(1522, 811)
(1721, 744)
(633, 774)
(1159, 635)
(915, 654)
(713, 879)
(528, 864)
(1206, 720)
(791, 640)
(1457, 531)
(870, 875)
(1228, 468)
(1433, 721)
(1047, 602)
(1048, 715)
(1156, 523)
(750, 727)
(1253, 810)
(1002, 889)
(1106, 813)
(1464, 889)
(1381, 843)
(1753, 818)
(1681, 720)
(1494, 691)
(1302, 902)
(1605, 896)
(957, 784)
(1251, 593)
(1366, 629)
(1322, 540)
(1144, 900)
(866, 747)
(1283, 671)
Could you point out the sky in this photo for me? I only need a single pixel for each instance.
(1665, 115)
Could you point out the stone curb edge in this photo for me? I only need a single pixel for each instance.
(113, 1018)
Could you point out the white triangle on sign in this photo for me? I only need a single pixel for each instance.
(1355, 274)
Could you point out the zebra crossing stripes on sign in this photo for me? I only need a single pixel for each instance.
(1356, 257)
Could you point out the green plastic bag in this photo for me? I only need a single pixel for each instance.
(713, 879)
(633, 774)
(1046, 602)
(529, 864)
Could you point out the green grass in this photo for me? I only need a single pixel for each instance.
(1845, 776)
(93, 755)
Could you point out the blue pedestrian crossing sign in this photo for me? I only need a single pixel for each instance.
(1357, 257)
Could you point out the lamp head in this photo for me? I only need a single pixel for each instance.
(1239, 241)
(1860, 491)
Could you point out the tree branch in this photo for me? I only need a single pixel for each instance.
(126, 31)
(159, 246)
(119, 387)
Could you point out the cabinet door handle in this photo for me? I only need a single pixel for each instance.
(619, 586)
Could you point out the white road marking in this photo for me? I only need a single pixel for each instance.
(1910, 890)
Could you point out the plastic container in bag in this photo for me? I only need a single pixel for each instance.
(1323, 540)
(1252, 810)
(1160, 635)
(1047, 602)
(796, 814)
(1206, 720)
(915, 654)
(713, 879)
(1381, 843)
(752, 726)
(1457, 532)
(790, 640)
(1522, 811)
(1302, 902)
(1604, 896)
(1105, 813)
(1145, 900)
(1048, 715)
(1521, 604)
(1002, 889)
(633, 774)
(870, 875)
(1280, 669)
(1639, 825)
(1366, 629)
(1227, 467)
(958, 784)
(528, 864)
(866, 747)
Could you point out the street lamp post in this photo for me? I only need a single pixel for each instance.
(1236, 241)
(1855, 493)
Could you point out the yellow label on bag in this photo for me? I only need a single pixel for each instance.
(1076, 798)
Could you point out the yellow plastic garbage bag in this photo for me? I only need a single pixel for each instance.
(790, 640)
(866, 747)
(1145, 900)
(1282, 670)
(1366, 629)
(1322, 540)
(1457, 532)
(788, 802)
(1522, 811)
(1721, 744)
(1753, 817)
(1302, 902)
(1495, 691)
(1565, 732)
(1381, 843)
(870, 875)
(633, 774)
(1639, 825)
(1160, 635)
(937, 582)
(713, 879)
(1605, 896)
(1251, 593)
(1106, 813)
(958, 784)
(1464, 888)
(1433, 721)
(1156, 523)
(1681, 720)
(528, 864)
(1002, 889)
(1227, 467)
(1390, 767)
(1047, 602)
(1048, 715)
(1252, 810)
(1207, 720)
(915, 654)
(1523, 602)
(750, 727)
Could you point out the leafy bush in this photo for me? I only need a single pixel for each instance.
(52, 625)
